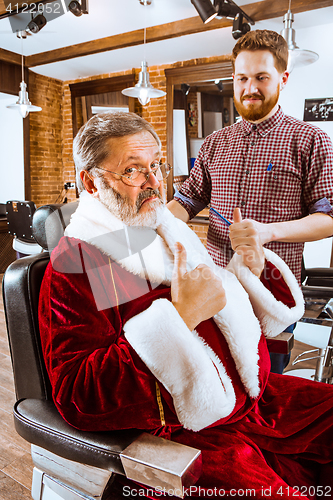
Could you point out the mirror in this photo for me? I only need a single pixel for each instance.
(95, 96)
(89, 105)
(199, 101)
(199, 110)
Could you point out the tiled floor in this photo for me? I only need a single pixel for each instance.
(15, 462)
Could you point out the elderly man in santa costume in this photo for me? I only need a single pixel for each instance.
(140, 329)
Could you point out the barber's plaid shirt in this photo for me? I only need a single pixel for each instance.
(278, 170)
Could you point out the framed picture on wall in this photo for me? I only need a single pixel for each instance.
(318, 110)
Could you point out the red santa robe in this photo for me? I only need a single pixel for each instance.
(119, 356)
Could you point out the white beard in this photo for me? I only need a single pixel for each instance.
(127, 213)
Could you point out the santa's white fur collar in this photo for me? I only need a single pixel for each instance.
(147, 254)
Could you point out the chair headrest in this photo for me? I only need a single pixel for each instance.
(49, 223)
(19, 219)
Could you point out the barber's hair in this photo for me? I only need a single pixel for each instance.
(90, 147)
(264, 40)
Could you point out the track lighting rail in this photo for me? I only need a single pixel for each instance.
(26, 7)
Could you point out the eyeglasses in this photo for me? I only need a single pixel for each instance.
(137, 177)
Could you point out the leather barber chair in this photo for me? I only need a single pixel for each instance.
(70, 464)
(317, 289)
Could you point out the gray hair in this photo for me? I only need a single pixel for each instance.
(90, 144)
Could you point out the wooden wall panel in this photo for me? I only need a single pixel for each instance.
(10, 77)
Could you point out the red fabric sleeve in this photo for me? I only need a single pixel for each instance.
(273, 280)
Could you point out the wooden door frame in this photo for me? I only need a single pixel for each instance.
(10, 78)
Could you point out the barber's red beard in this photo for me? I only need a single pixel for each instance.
(256, 111)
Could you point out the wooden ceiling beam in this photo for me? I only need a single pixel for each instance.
(258, 11)
(130, 39)
(270, 9)
(10, 57)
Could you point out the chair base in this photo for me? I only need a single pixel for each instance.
(56, 478)
(45, 487)
(149, 460)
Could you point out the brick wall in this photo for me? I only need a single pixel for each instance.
(200, 230)
(155, 111)
(46, 129)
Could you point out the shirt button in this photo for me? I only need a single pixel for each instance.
(247, 172)
(252, 143)
(275, 176)
(243, 203)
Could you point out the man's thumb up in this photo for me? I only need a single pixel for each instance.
(179, 267)
(237, 216)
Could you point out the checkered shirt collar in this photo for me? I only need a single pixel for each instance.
(265, 127)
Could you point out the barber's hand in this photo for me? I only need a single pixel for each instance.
(245, 241)
(197, 295)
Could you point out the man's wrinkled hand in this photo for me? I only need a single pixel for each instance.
(197, 295)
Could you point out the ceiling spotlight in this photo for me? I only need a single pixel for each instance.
(219, 85)
(185, 87)
(230, 10)
(36, 24)
(205, 9)
(225, 9)
(78, 8)
(239, 27)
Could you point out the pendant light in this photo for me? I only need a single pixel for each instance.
(297, 57)
(143, 90)
(23, 105)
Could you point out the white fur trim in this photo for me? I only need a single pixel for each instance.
(274, 316)
(187, 367)
(241, 330)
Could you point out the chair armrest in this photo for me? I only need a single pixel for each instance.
(40, 423)
(281, 344)
(319, 276)
(317, 292)
(163, 464)
(149, 460)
